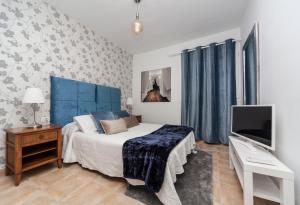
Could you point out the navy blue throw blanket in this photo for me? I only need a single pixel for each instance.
(145, 158)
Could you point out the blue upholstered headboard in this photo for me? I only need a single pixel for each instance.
(70, 98)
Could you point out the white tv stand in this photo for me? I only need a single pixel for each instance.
(272, 182)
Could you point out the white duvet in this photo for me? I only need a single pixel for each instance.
(104, 153)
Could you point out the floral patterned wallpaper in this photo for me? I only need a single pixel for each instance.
(37, 41)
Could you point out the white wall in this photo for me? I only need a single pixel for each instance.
(280, 71)
(160, 58)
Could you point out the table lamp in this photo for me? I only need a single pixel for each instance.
(34, 96)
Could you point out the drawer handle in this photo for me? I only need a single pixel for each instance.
(41, 137)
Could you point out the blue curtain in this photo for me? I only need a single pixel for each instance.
(209, 90)
(250, 70)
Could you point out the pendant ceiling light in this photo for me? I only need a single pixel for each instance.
(137, 25)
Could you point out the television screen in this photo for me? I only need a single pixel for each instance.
(253, 122)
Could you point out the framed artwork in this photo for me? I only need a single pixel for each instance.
(156, 85)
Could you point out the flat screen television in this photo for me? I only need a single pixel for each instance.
(255, 123)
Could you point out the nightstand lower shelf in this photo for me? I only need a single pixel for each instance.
(38, 160)
(38, 149)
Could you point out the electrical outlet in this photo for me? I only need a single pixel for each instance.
(45, 120)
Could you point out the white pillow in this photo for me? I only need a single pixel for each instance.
(86, 123)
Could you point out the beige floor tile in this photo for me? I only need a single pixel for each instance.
(91, 193)
(16, 195)
(117, 199)
(39, 197)
(217, 193)
(2, 172)
(228, 201)
(54, 175)
(63, 187)
(6, 182)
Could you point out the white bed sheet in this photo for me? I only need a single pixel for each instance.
(104, 153)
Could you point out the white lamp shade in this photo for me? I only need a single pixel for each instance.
(129, 101)
(33, 95)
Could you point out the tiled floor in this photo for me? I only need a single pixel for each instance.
(75, 185)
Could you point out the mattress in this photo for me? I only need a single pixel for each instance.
(104, 153)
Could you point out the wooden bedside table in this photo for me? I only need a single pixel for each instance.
(28, 148)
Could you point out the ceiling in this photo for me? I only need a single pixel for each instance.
(166, 22)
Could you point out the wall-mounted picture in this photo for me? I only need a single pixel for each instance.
(156, 85)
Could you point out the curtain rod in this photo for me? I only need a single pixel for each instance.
(207, 46)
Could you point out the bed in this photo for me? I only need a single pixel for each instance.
(102, 152)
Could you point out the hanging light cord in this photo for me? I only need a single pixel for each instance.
(137, 15)
(137, 26)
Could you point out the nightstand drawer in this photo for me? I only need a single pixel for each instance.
(38, 138)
